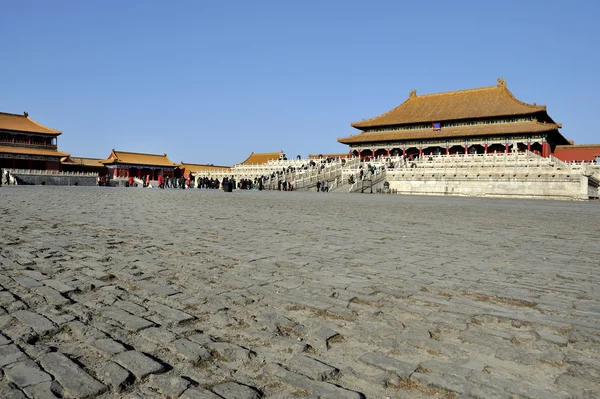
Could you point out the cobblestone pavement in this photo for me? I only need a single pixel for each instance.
(204, 294)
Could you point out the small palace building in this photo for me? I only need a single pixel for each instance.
(26, 144)
(134, 164)
(483, 120)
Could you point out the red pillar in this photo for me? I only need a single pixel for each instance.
(545, 149)
(466, 149)
(447, 150)
(420, 152)
(506, 148)
(403, 152)
(485, 148)
(388, 152)
(528, 146)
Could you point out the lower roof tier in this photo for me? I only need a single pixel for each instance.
(459, 131)
(32, 151)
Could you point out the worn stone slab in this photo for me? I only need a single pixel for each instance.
(199, 393)
(37, 322)
(6, 298)
(113, 375)
(398, 367)
(233, 390)
(138, 364)
(155, 288)
(4, 340)
(33, 274)
(10, 354)
(75, 381)
(24, 374)
(158, 335)
(324, 389)
(44, 390)
(126, 319)
(168, 385)
(313, 368)
(551, 338)
(27, 281)
(189, 350)
(58, 286)
(108, 346)
(230, 352)
(52, 296)
(173, 315)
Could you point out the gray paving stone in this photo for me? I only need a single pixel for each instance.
(10, 354)
(168, 385)
(156, 288)
(447, 382)
(126, 319)
(312, 368)
(189, 350)
(113, 375)
(108, 346)
(6, 298)
(26, 373)
(199, 393)
(551, 338)
(158, 335)
(4, 340)
(52, 296)
(7, 391)
(75, 381)
(44, 390)
(37, 322)
(58, 286)
(230, 352)
(324, 389)
(138, 364)
(233, 390)
(399, 367)
(173, 315)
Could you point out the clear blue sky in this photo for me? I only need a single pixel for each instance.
(212, 81)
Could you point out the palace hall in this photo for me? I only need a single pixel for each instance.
(26, 144)
(474, 121)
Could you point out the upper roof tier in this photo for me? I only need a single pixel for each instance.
(22, 123)
(33, 151)
(492, 101)
(136, 158)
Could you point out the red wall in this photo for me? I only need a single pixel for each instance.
(577, 154)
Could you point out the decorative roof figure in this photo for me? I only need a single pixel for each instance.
(501, 82)
(413, 93)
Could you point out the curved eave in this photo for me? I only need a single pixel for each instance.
(463, 131)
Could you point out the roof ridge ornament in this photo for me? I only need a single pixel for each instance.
(26, 114)
(501, 82)
(413, 93)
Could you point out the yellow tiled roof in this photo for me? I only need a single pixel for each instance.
(258, 159)
(460, 131)
(89, 162)
(577, 146)
(492, 101)
(32, 151)
(22, 123)
(193, 168)
(136, 158)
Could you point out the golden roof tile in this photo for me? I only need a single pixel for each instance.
(136, 158)
(32, 151)
(258, 159)
(86, 162)
(22, 123)
(492, 101)
(194, 168)
(460, 131)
